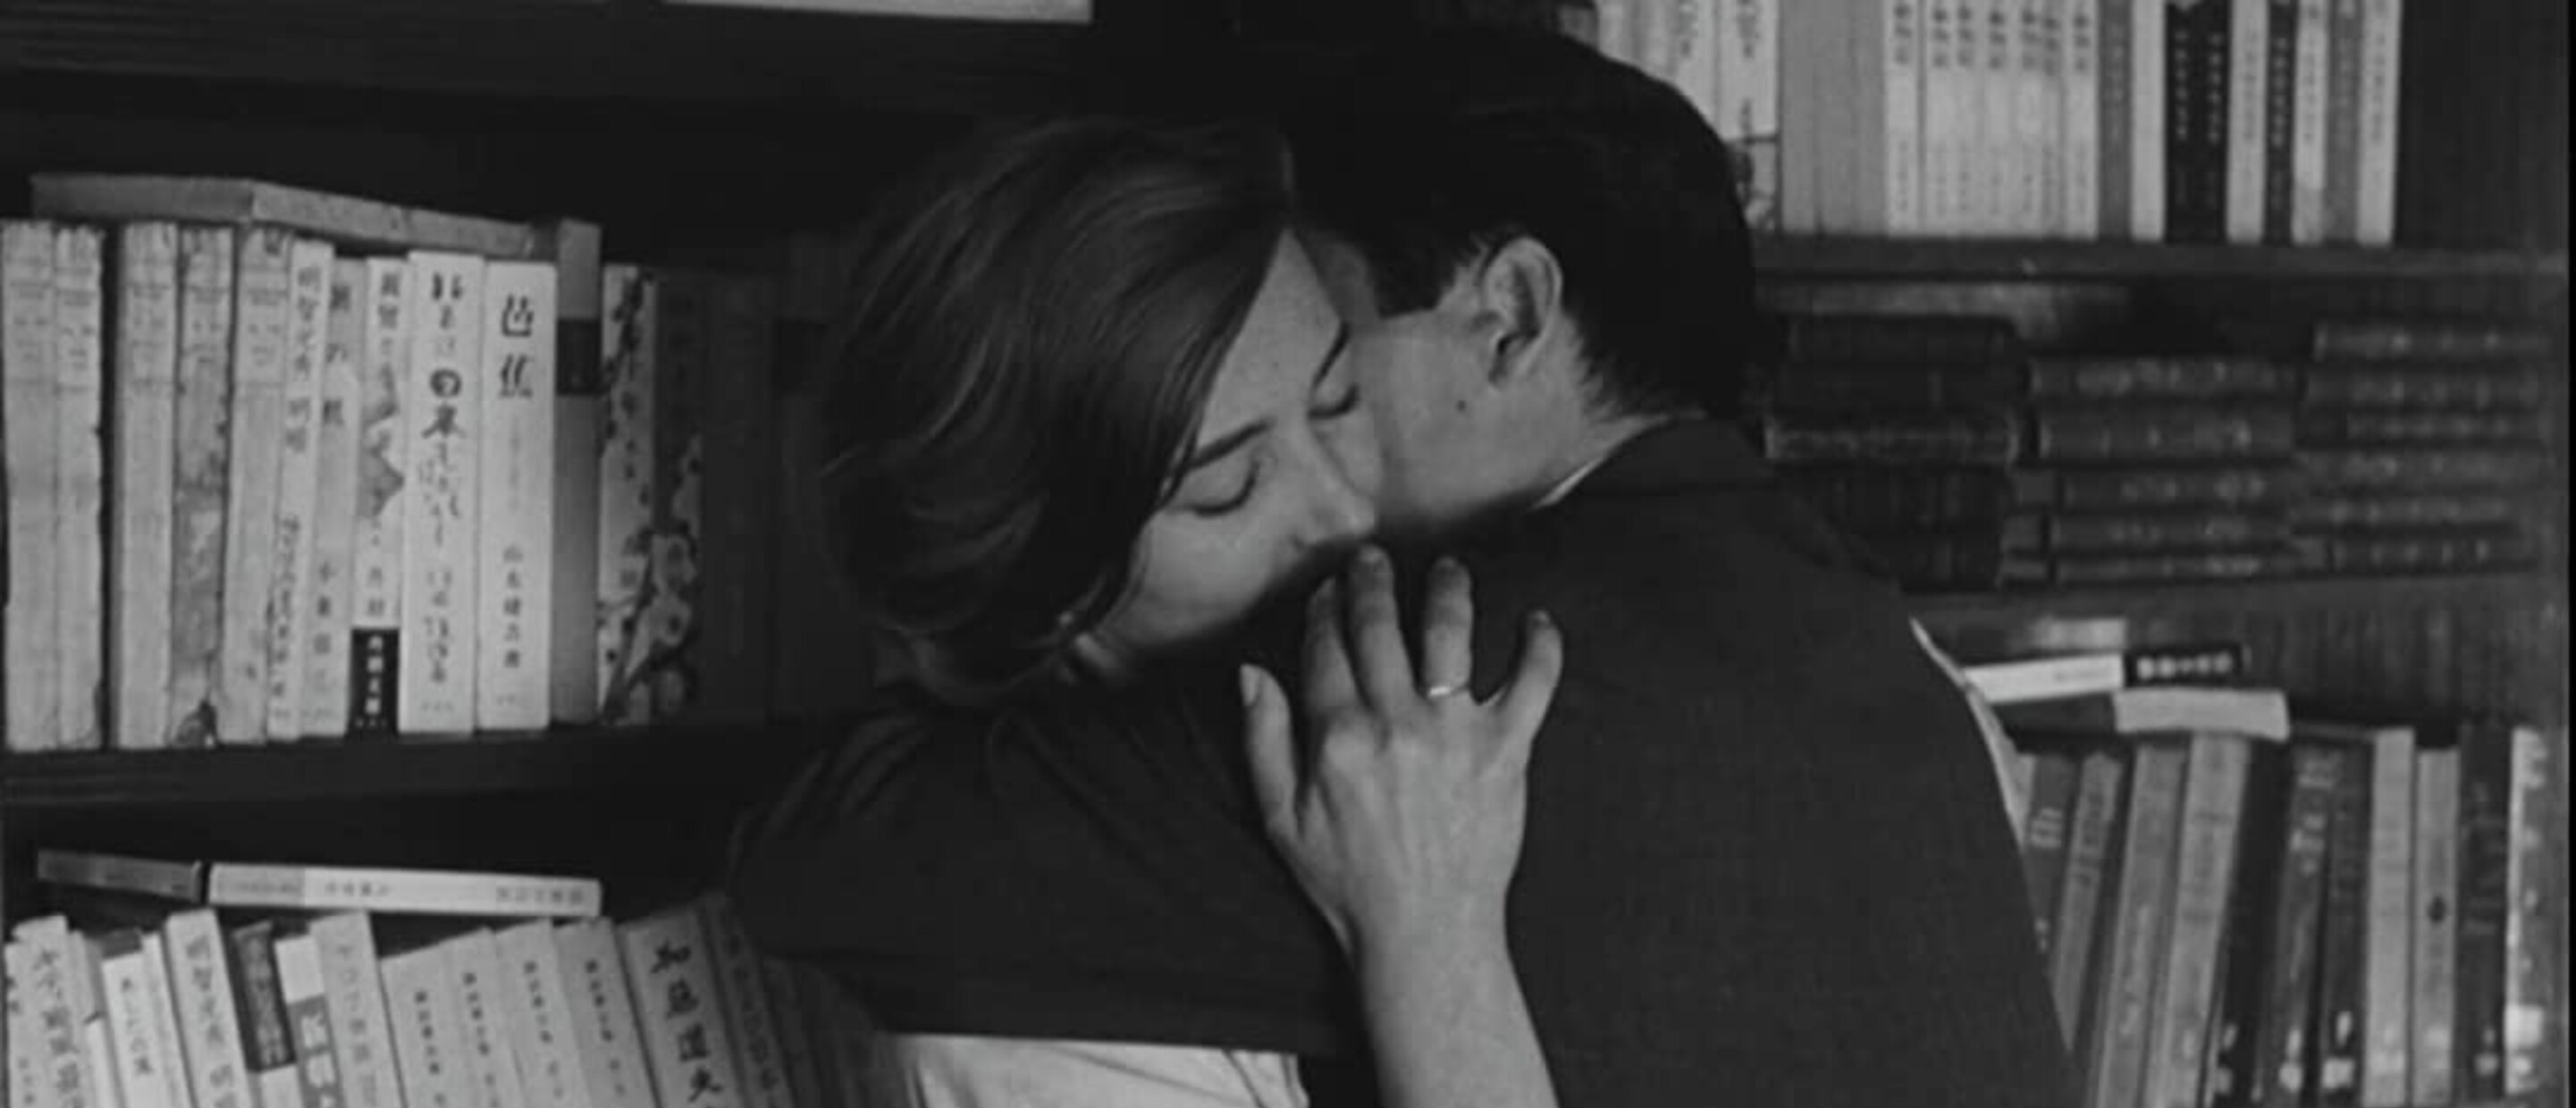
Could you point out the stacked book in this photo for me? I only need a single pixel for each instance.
(196, 985)
(2240, 908)
(285, 465)
(2251, 121)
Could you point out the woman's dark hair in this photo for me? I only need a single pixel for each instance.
(1033, 331)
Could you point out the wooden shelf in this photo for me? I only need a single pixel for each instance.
(658, 760)
(1787, 257)
(2267, 595)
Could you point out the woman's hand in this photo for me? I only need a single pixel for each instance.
(1403, 816)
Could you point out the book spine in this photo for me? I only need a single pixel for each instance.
(79, 364)
(443, 405)
(2177, 378)
(2380, 469)
(2418, 387)
(2189, 122)
(263, 337)
(2150, 487)
(2122, 569)
(2343, 121)
(516, 531)
(56, 1025)
(740, 440)
(491, 1059)
(1948, 89)
(259, 1008)
(2147, 80)
(2130, 434)
(603, 1016)
(2308, 107)
(29, 417)
(417, 891)
(1900, 67)
(308, 1017)
(2423, 428)
(2035, 118)
(2382, 28)
(2280, 119)
(674, 653)
(2080, 121)
(1748, 100)
(2291, 961)
(2432, 1014)
(376, 538)
(2416, 553)
(1993, 72)
(2405, 512)
(747, 1007)
(1616, 33)
(25, 1083)
(2335, 1029)
(169, 1056)
(354, 1001)
(140, 1076)
(2248, 100)
(2205, 867)
(685, 1037)
(298, 479)
(1961, 439)
(325, 623)
(147, 411)
(535, 1009)
(2138, 930)
(2053, 784)
(2532, 962)
(2486, 852)
(626, 474)
(210, 1027)
(428, 1031)
(573, 683)
(2142, 533)
(2230, 1079)
(2380, 340)
(1654, 41)
(2388, 919)
(799, 1043)
(1695, 52)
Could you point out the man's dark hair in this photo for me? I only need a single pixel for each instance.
(1431, 152)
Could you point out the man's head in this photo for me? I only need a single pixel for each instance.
(1553, 248)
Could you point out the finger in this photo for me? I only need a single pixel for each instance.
(1448, 628)
(1271, 744)
(1523, 704)
(1380, 663)
(1328, 685)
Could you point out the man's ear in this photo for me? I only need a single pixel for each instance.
(1521, 308)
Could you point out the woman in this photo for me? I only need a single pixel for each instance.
(1089, 408)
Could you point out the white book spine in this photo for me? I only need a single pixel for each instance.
(54, 1035)
(2080, 121)
(169, 1056)
(428, 1031)
(298, 475)
(2248, 72)
(1946, 113)
(537, 1013)
(354, 996)
(1982, 108)
(327, 592)
(263, 343)
(2147, 120)
(201, 986)
(516, 532)
(100, 1059)
(1748, 101)
(376, 539)
(124, 999)
(603, 1016)
(1695, 51)
(1900, 37)
(2382, 38)
(81, 483)
(2533, 968)
(29, 404)
(626, 481)
(2042, 66)
(2437, 797)
(491, 1059)
(426, 891)
(1618, 29)
(147, 412)
(443, 420)
(1655, 38)
(27, 1088)
(678, 999)
(2388, 920)
(200, 461)
(2308, 131)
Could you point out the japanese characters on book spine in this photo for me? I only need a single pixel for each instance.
(81, 483)
(603, 1016)
(680, 1007)
(327, 591)
(30, 407)
(146, 382)
(491, 1058)
(354, 1000)
(537, 1013)
(263, 337)
(298, 474)
(201, 986)
(428, 1031)
(516, 531)
(376, 536)
(197, 480)
(442, 421)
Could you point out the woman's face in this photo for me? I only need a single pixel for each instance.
(1279, 478)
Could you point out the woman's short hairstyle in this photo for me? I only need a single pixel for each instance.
(1033, 332)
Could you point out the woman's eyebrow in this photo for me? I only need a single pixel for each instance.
(1210, 451)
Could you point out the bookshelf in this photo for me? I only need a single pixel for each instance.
(683, 129)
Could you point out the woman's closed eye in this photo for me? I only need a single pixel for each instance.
(1222, 497)
(1336, 402)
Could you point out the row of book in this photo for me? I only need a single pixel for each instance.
(2251, 121)
(277, 471)
(2332, 447)
(2242, 909)
(195, 1008)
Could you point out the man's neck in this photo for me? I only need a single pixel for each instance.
(1593, 445)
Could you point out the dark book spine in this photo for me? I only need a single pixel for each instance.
(2053, 783)
(2428, 552)
(1849, 388)
(2280, 119)
(1957, 561)
(2092, 869)
(2420, 386)
(2163, 434)
(1888, 498)
(2230, 1080)
(2485, 872)
(2115, 118)
(2128, 569)
(258, 1001)
(2132, 488)
(2368, 512)
(2290, 936)
(2196, 55)
(1900, 340)
(2142, 913)
(2421, 469)
(2335, 1028)
(2372, 339)
(2343, 122)
(2131, 533)
(1959, 439)
(2171, 378)
(2505, 428)
(2205, 663)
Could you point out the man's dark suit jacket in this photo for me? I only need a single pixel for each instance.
(1766, 862)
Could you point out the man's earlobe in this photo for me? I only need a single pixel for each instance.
(1522, 290)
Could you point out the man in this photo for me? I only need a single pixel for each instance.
(1765, 860)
